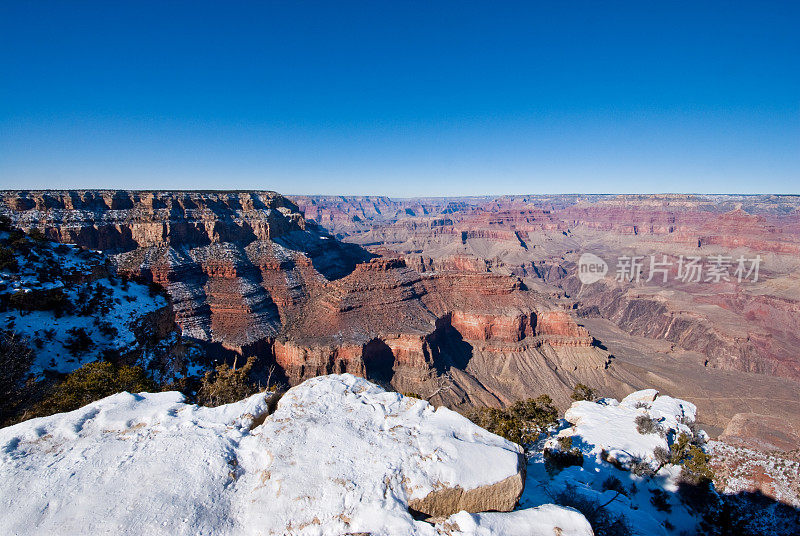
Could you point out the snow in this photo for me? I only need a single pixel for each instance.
(606, 430)
(611, 427)
(338, 455)
(126, 308)
(77, 272)
(539, 521)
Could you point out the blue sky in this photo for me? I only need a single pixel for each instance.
(401, 98)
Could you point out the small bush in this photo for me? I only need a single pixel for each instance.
(697, 467)
(91, 382)
(660, 500)
(107, 329)
(94, 299)
(564, 442)
(583, 392)
(645, 424)
(7, 260)
(602, 520)
(662, 456)
(78, 341)
(696, 462)
(614, 484)
(226, 385)
(41, 300)
(15, 362)
(522, 422)
(642, 468)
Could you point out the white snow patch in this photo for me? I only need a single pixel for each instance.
(338, 455)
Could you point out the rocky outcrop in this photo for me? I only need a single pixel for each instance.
(338, 455)
(497, 497)
(456, 338)
(233, 263)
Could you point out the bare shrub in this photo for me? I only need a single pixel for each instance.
(645, 424)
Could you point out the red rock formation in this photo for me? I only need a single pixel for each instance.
(233, 263)
(541, 237)
(249, 274)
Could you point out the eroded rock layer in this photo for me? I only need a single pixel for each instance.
(738, 325)
(248, 274)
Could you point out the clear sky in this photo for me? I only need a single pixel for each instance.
(401, 98)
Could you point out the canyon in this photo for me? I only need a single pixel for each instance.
(467, 301)
(729, 345)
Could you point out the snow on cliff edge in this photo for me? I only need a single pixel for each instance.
(339, 455)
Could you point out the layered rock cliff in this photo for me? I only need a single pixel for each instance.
(737, 326)
(247, 274)
(232, 262)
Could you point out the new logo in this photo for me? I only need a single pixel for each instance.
(591, 268)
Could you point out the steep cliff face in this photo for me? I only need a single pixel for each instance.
(247, 273)
(233, 263)
(455, 338)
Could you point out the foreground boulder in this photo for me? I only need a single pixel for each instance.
(339, 455)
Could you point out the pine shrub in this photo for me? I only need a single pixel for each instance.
(583, 392)
(226, 385)
(522, 422)
(15, 363)
(92, 382)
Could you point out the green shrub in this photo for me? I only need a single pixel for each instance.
(695, 461)
(583, 392)
(697, 467)
(522, 422)
(40, 300)
(15, 363)
(92, 382)
(7, 260)
(226, 385)
(78, 341)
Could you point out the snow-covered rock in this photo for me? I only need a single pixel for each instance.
(605, 433)
(539, 521)
(339, 455)
(610, 427)
(71, 309)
